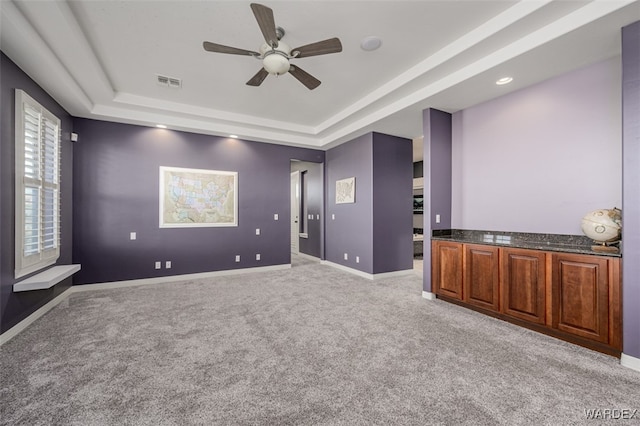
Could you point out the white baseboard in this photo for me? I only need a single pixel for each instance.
(630, 362)
(172, 278)
(22, 325)
(307, 256)
(428, 295)
(19, 327)
(367, 275)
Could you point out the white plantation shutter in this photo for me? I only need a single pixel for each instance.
(37, 186)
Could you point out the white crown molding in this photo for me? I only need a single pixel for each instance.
(568, 23)
(90, 93)
(484, 31)
(39, 61)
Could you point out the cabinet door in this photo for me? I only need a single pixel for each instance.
(523, 284)
(447, 269)
(481, 276)
(580, 288)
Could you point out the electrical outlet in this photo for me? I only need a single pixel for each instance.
(437, 218)
(167, 264)
(158, 265)
(258, 256)
(132, 235)
(275, 216)
(257, 231)
(333, 216)
(357, 259)
(346, 256)
(237, 258)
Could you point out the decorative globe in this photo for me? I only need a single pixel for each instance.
(603, 225)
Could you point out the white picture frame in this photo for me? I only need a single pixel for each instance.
(192, 198)
(346, 191)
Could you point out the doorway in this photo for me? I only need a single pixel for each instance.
(295, 212)
(307, 210)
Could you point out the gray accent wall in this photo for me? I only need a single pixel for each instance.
(377, 228)
(631, 188)
(437, 180)
(116, 192)
(14, 307)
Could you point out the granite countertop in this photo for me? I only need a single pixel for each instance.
(579, 244)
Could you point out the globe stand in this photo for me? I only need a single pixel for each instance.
(602, 247)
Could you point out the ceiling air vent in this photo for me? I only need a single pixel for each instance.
(172, 82)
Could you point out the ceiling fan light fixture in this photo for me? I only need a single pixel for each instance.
(275, 63)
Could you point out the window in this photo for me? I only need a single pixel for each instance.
(37, 186)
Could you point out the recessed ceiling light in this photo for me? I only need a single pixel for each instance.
(233, 136)
(370, 43)
(504, 80)
(161, 126)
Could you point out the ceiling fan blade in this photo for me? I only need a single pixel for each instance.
(257, 79)
(218, 48)
(324, 47)
(304, 77)
(264, 16)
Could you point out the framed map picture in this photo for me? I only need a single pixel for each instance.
(198, 198)
(346, 190)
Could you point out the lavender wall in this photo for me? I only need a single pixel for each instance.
(14, 307)
(351, 230)
(314, 188)
(437, 180)
(540, 158)
(631, 188)
(392, 203)
(116, 192)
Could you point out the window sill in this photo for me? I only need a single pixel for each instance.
(46, 279)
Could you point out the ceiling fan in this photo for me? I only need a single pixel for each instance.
(275, 54)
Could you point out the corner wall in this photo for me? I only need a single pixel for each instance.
(14, 307)
(392, 203)
(349, 227)
(631, 189)
(377, 229)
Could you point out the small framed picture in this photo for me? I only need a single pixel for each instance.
(346, 191)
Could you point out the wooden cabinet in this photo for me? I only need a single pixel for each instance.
(523, 284)
(447, 269)
(481, 283)
(571, 296)
(582, 294)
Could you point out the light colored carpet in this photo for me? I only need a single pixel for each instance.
(310, 345)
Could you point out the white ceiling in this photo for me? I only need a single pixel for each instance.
(99, 59)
